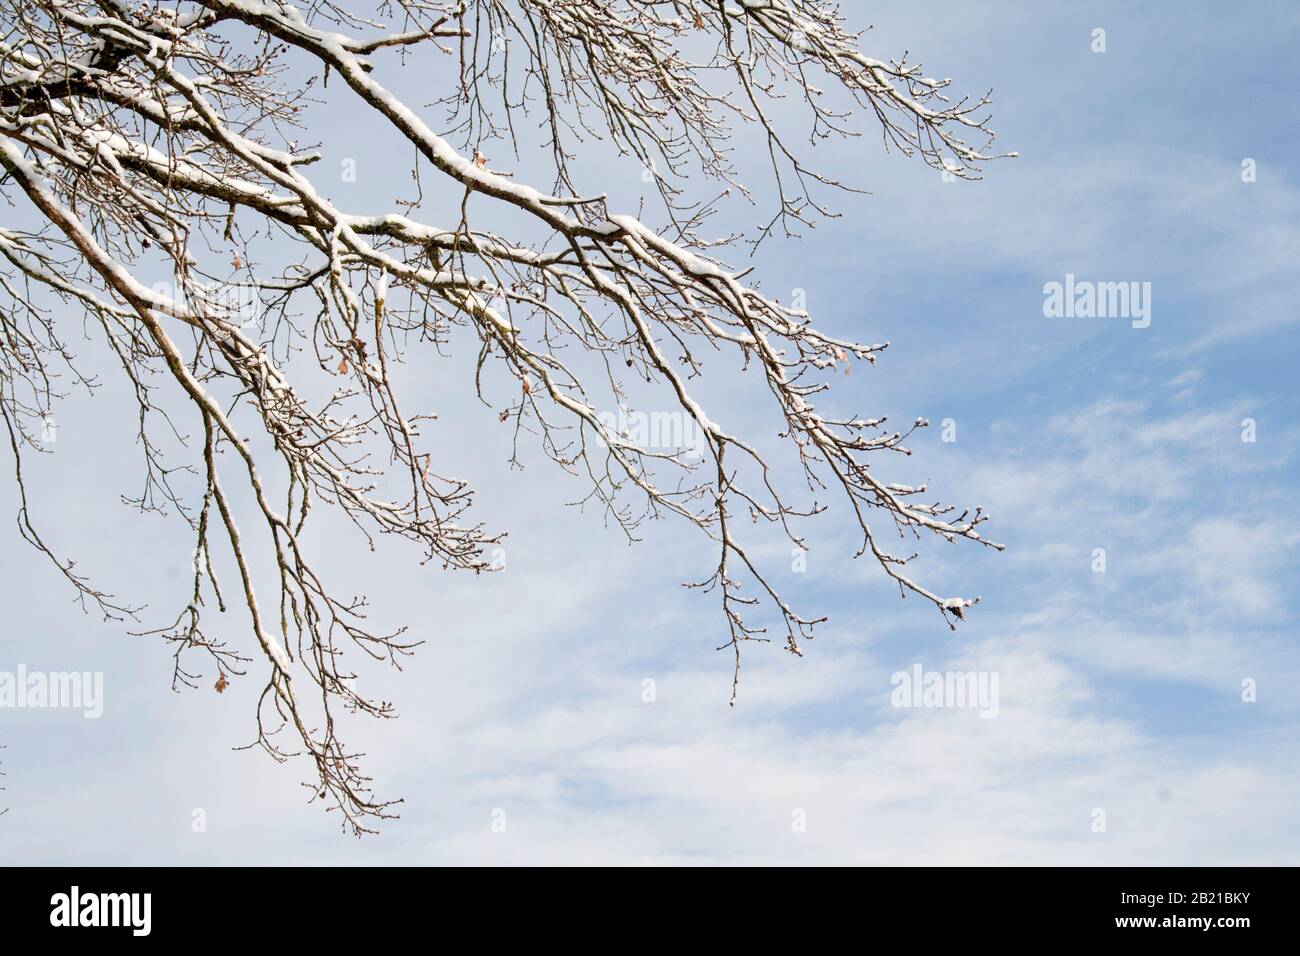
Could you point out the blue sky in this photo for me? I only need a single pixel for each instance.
(1119, 691)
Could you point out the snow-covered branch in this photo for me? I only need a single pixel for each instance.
(153, 139)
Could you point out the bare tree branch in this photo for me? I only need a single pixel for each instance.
(154, 139)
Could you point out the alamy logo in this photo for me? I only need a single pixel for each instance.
(673, 432)
(103, 909)
(921, 688)
(72, 690)
(1084, 299)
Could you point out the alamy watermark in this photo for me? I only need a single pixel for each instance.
(235, 302)
(671, 432)
(68, 690)
(1085, 299)
(955, 689)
